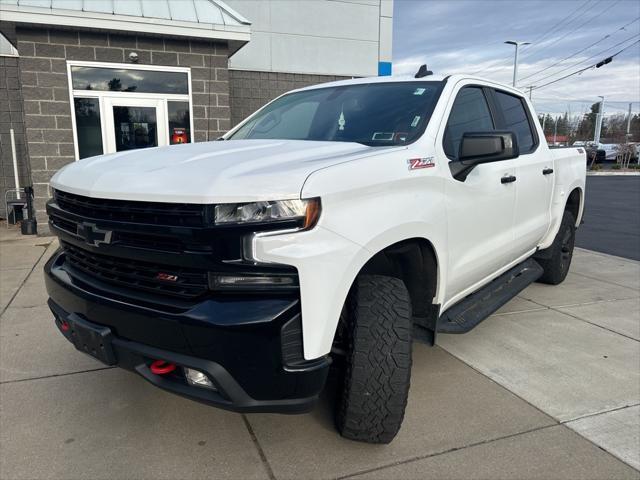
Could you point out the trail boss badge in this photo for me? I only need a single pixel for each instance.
(418, 163)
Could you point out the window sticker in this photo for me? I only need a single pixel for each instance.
(415, 121)
(341, 121)
(383, 136)
(419, 91)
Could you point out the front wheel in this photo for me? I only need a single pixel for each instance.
(377, 338)
(556, 266)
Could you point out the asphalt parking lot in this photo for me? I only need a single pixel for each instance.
(612, 216)
(549, 387)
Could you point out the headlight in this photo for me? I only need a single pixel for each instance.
(306, 212)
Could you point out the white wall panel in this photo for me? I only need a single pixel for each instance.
(256, 55)
(327, 56)
(332, 37)
(256, 11)
(325, 19)
(386, 38)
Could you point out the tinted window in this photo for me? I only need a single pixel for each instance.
(375, 114)
(88, 127)
(129, 80)
(470, 113)
(179, 122)
(516, 120)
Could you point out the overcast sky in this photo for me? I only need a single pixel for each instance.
(466, 36)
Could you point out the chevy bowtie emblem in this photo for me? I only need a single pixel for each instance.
(93, 235)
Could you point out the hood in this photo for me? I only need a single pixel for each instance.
(208, 172)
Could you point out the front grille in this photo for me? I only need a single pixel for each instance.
(127, 239)
(144, 276)
(153, 213)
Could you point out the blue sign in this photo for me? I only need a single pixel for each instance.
(384, 69)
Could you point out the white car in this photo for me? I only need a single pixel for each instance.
(329, 229)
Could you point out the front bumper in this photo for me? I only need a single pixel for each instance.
(249, 347)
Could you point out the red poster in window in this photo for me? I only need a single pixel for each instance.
(179, 135)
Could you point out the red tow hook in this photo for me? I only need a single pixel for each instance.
(64, 325)
(160, 367)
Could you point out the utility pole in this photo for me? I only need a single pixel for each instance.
(515, 59)
(544, 120)
(555, 131)
(530, 90)
(629, 124)
(596, 138)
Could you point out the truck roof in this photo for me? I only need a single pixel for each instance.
(408, 78)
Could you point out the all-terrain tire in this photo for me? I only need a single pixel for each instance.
(378, 364)
(556, 265)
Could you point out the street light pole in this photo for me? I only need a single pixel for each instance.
(596, 138)
(515, 60)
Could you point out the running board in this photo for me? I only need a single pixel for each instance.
(474, 308)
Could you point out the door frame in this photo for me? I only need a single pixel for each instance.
(162, 122)
(133, 96)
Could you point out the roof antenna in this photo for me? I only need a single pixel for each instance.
(423, 72)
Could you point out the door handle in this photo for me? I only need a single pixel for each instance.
(547, 171)
(508, 179)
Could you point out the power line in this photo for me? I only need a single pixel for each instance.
(580, 51)
(586, 68)
(561, 22)
(492, 64)
(608, 7)
(602, 52)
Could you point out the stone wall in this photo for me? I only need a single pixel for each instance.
(11, 117)
(251, 90)
(47, 108)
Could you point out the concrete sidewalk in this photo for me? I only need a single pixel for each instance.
(549, 387)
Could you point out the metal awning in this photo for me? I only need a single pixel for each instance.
(206, 19)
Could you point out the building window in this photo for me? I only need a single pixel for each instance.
(88, 126)
(179, 124)
(122, 107)
(129, 80)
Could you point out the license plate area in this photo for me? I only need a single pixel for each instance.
(92, 339)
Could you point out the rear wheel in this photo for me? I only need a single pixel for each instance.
(556, 265)
(377, 342)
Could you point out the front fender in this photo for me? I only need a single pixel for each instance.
(327, 263)
(366, 206)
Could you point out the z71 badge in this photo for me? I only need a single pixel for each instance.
(417, 163)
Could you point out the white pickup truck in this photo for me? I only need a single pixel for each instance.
(330, 229)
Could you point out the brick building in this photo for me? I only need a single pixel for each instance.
(83, 78)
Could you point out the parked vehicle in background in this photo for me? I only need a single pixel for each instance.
(332, 227)
(595, 155)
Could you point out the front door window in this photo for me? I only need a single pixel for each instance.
(135, 127)
(179, 122)
(88, 126)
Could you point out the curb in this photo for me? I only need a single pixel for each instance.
(613, 174)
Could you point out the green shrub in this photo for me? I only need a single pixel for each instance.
(616, 166)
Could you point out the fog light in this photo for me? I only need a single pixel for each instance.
(253, 282)
(198, 379)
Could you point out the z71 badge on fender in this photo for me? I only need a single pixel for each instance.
(417, 163)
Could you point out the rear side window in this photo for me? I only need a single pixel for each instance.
(470, 113)
(516, 120)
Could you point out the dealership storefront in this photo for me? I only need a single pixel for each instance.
(86, 78)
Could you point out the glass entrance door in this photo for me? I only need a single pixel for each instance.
(134, 123)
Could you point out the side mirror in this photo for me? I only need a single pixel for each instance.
(483, 147)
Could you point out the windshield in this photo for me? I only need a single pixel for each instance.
(375, 114)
